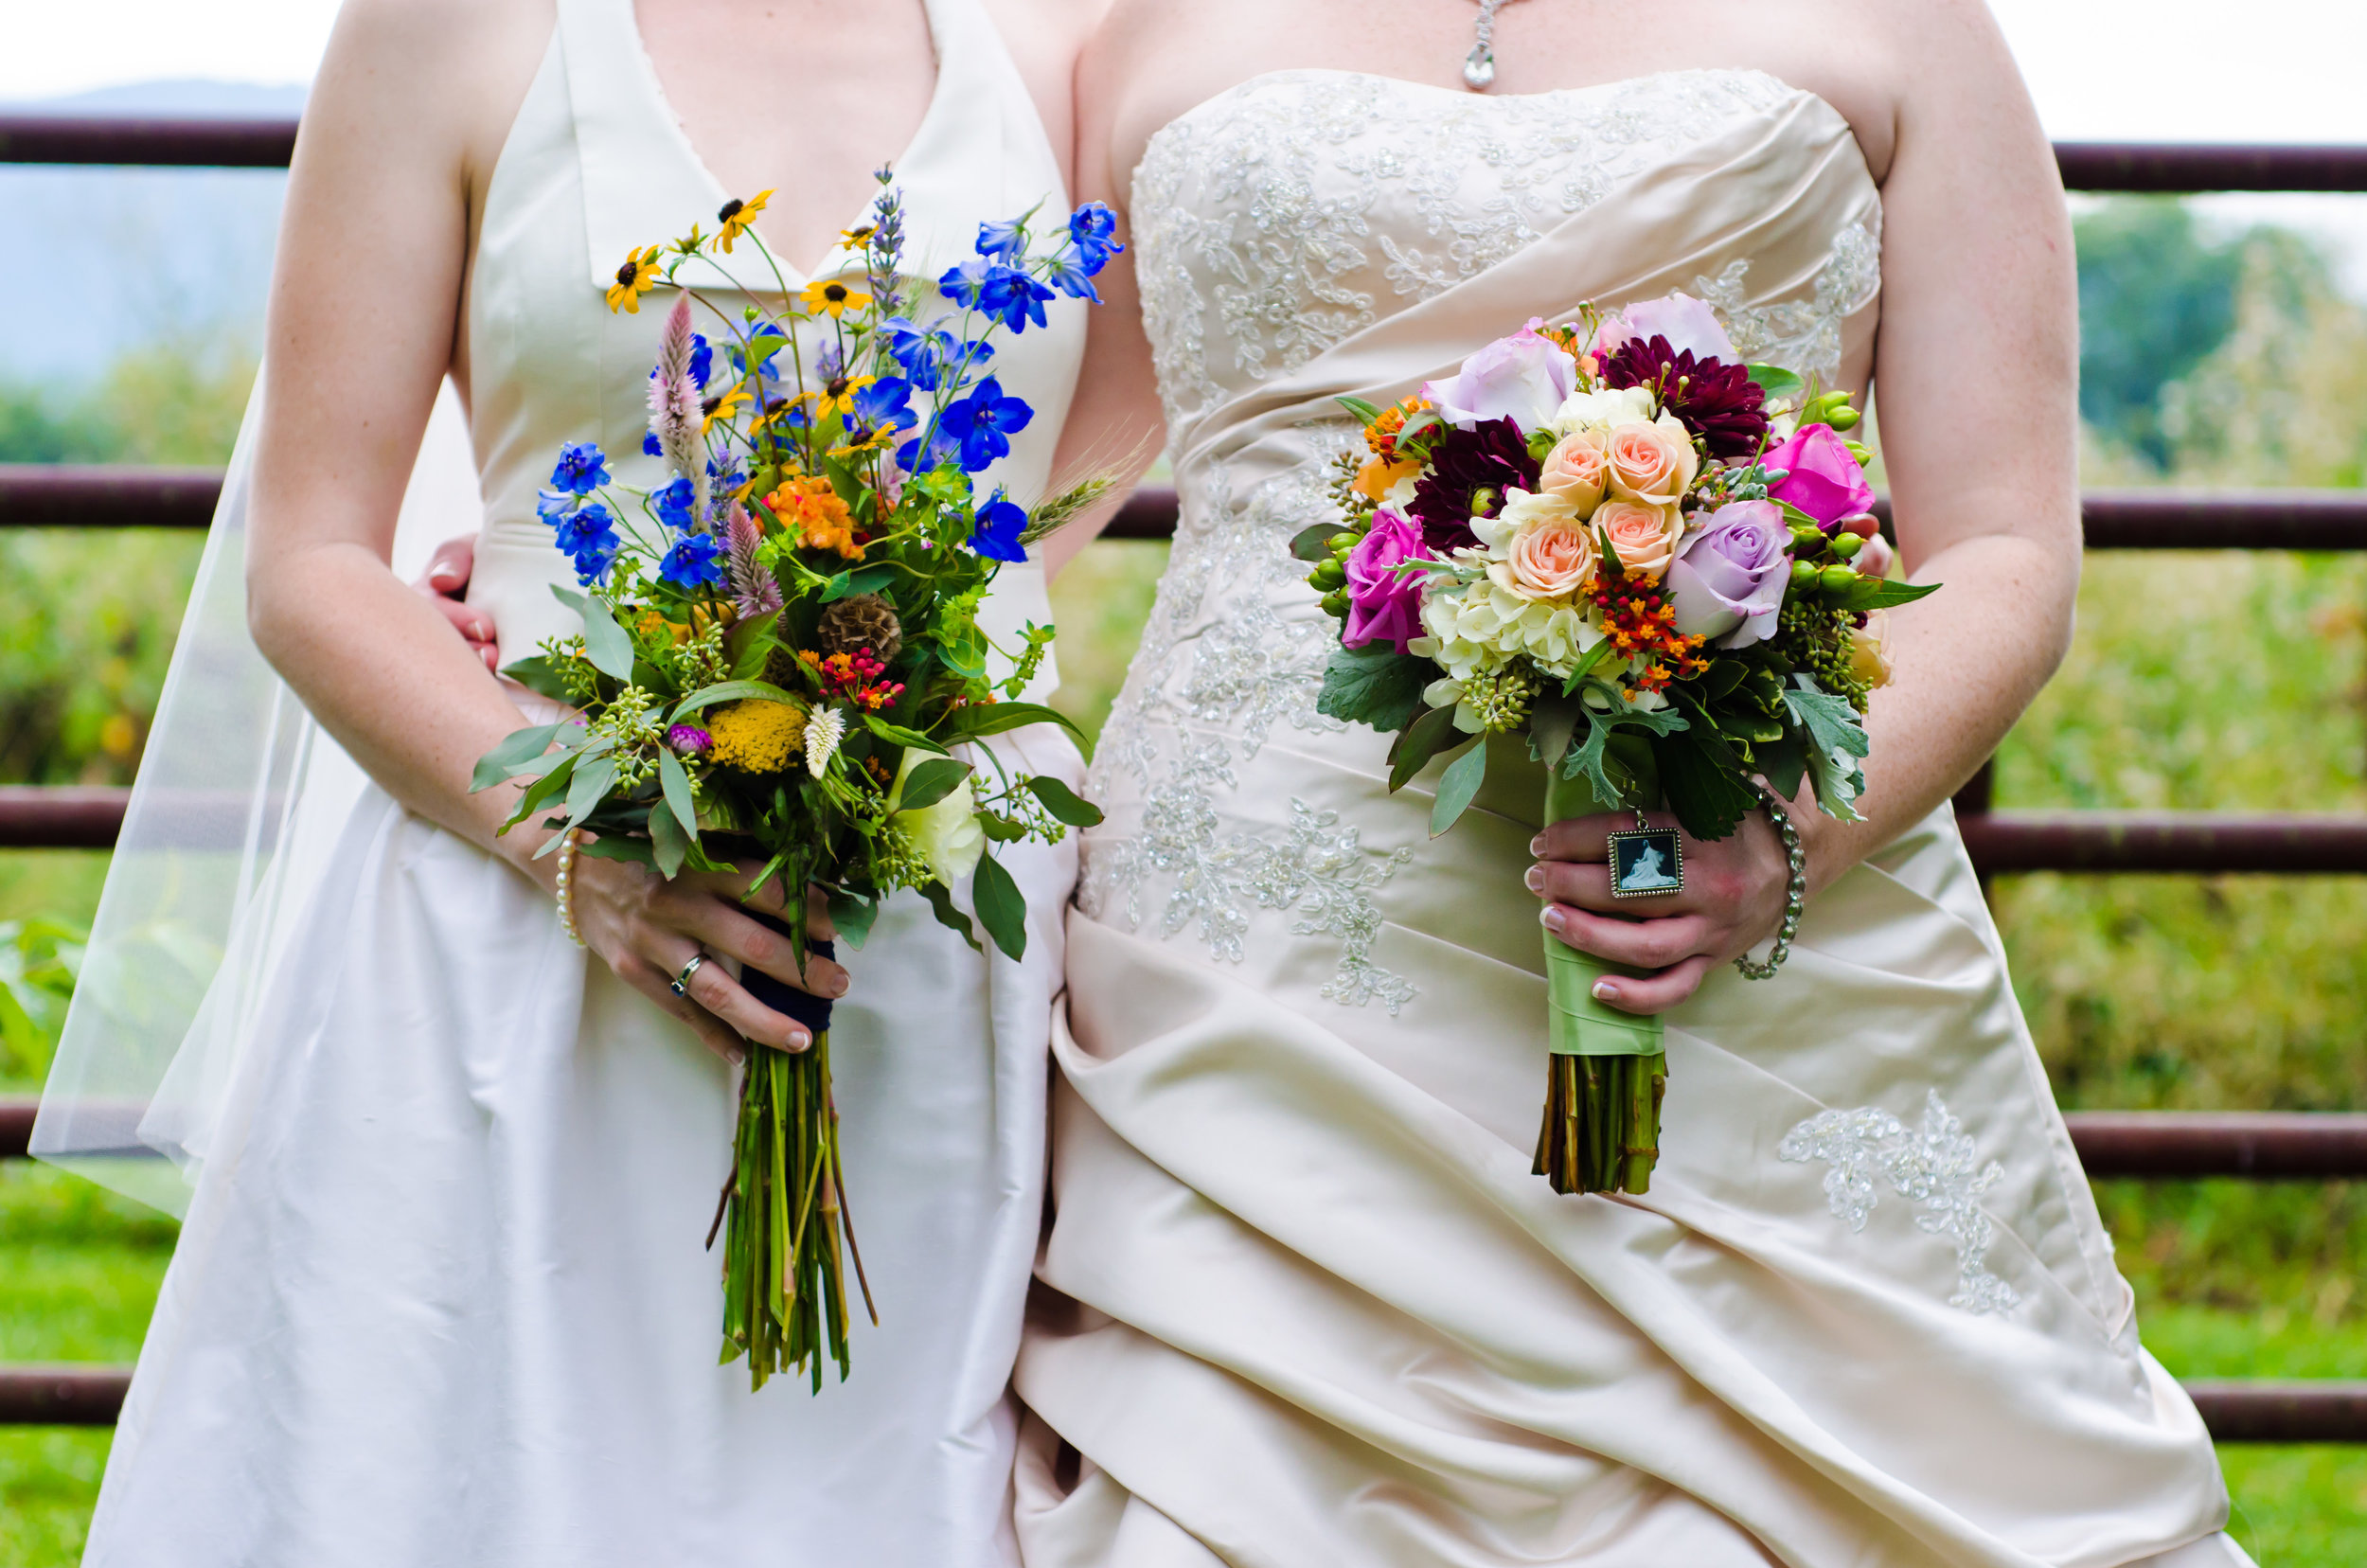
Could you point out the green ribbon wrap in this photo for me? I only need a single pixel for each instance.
(1580, 1025)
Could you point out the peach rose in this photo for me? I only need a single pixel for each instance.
(1651, 462)
(1868, 650)
(1575, 469)
(1554, 559)
(1643, 536)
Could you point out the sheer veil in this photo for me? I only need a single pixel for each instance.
(238, 800)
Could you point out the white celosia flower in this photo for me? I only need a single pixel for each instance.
(946, 836)
(825, 728)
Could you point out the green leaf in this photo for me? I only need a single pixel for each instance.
(749, 644)
(929, 782)
(1782, 763)
(1002, 908)
(941, 904)
(852, 918)
(963, 652)
(517, 747)
(1585, 667)
(1776, 382)
(668, 843)
(1831, 723)
(868, 581)
(1704, 781)
(605, 643)
(1725, 674)
(1424, 738)
(544, 789)
(1795, 518)
(543, 675)
(1552, 726)
(995, 718)
(1373, 685)
(1594, 758)
(1064, 804)
(590, 785)
(675, 780)
(1309, 544)
(729, 691)
(1366, 413)
(616, 846)
(1879, 593)
(568, 596)
(899, 736)
(1460, 782)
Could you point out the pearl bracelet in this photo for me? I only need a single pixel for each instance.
(566, 886)
(1795, 891)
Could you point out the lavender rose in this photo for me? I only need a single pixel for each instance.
(1727, 579)
(1684, 321)
(1523, 377)
(1825, 481)
(1384, 606)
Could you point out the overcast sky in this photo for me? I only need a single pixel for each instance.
(2197, 70)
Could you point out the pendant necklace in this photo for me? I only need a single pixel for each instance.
(1479, 66)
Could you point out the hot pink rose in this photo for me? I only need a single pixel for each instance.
(1644, 537)
(1554, 559)
(1824, 480)
(1684, 321)
(1523, 377)
(1383, 606)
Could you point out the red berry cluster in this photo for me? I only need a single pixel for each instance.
(855, 677)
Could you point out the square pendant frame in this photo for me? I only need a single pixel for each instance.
(1672, 855)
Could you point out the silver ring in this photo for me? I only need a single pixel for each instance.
(681, 981)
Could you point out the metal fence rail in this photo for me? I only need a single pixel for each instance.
(2291, 1146)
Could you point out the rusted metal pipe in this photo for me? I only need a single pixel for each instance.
(61, 816)
(2183, 841)
(183, 143)
(106, 495)
(2170, 169)
(2268, 1145)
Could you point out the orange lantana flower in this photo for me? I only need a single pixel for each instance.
(812, 511)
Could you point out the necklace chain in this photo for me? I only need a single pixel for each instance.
(1479, 66)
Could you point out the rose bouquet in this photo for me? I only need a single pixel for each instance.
(1659, 564)
(781, 653)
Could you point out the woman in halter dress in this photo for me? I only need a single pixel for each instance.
(1306, 1307)
(440, 1295)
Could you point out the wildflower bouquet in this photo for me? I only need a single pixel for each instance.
(781, 653)
(1659, 564)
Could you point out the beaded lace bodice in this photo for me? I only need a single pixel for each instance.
(1273, 225)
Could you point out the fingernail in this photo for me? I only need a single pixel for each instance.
(799, 1040)
(1550, 916)
(1536, 846)
(1535, 879)
(1606, 992)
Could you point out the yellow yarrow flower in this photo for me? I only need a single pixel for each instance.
(756, 736)
(637, 276)
(736, 215)
(831, 298)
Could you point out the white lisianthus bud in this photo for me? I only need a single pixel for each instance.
(946, 834)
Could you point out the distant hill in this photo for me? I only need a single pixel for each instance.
(108, 259)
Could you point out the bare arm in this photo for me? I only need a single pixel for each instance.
(1976, 371)
(410, 111)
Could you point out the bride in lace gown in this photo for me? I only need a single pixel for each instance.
(1306, 1303)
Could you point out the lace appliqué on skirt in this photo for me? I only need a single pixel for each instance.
(1931, 1166)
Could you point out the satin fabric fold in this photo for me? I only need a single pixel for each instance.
(1304, 1301)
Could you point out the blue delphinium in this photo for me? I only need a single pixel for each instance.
(674, 503)
(1004, 242)
(938, 445)
(928, 355)
(1090, 228)
(999, 525)
(694, 562)
(648, 445)
(1004, 293)
(552, 504)
(589, 535)
(983, 424)
(884, 405)
(702, 357)
(1071, 276)
(582, 468)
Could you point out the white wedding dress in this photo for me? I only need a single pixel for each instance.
(440, 1297)
(1308, 1307)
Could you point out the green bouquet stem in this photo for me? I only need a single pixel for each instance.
(784, 1276)
(1607, 1069)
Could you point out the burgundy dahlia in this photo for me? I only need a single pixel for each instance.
(1470, 471)
(1718, 402)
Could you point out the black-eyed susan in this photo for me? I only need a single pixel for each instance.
(838, 395)
(831, 298)
(688, 244)
(857, 238)
(735, 216)
(637, 276)
(723, 406)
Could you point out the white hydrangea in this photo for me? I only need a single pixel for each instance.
(1478, 628)
(1605, 405)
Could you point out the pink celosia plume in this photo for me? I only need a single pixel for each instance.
(756, 591)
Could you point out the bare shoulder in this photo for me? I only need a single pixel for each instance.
(441, 77)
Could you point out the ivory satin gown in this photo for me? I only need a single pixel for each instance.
(441, 1297)
(1307, 1306)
